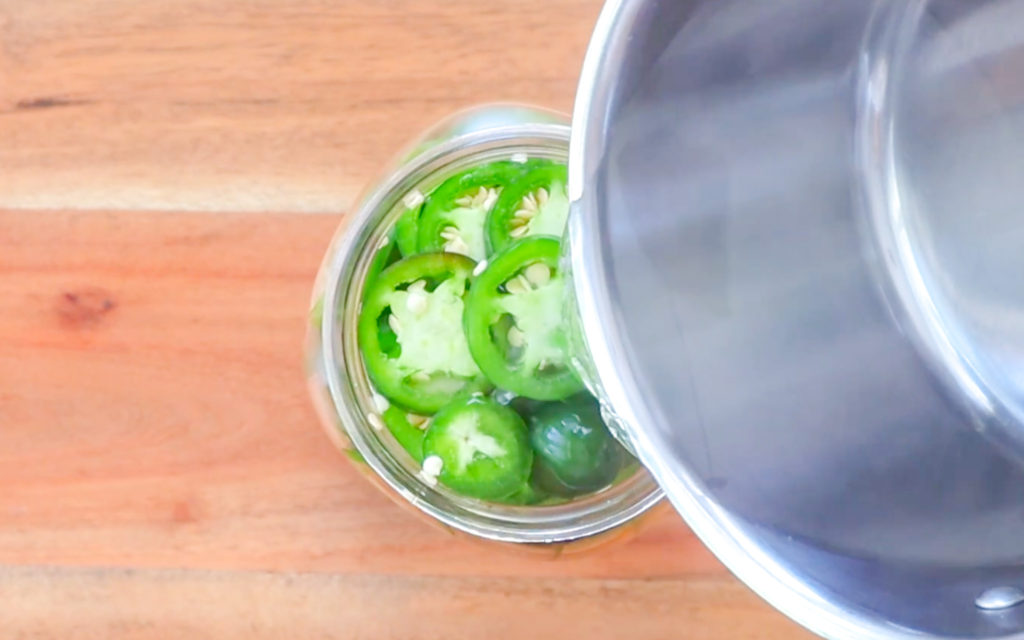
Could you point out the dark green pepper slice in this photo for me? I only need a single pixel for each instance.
(514, 322)
(409, 435)
(534, 204)
(479, 448)
(410, 336)
(529, 494)
(384, 257)
(455, 213)
(574, 452)
(407, 231)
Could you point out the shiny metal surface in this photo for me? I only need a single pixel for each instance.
(1000, 598)
(798, 251)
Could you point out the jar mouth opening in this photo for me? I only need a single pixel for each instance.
(349, 387)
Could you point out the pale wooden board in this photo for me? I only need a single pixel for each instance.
(171, 605)
(162, 474)
(174, 428)
(153, 414)
(254, 105)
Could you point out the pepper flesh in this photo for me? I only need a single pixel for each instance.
(418, 360)
(539, 368)
(534, 204)
(455, 213)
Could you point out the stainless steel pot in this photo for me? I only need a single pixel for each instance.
(798, 252)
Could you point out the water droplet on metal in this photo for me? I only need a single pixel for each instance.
(998, 598)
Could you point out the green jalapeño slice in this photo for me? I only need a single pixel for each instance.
(410, 334)
(478, 448)
(535, 204)
(514, 324)
(407, 430)
(575, 453)
(407, 231)
(454, 215)
(387, 255)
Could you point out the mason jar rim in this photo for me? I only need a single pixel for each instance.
(580, 518)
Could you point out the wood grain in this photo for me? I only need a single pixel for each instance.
(153, 398)
(254, 105)
(170, 174)
(154, 416)
(76, 605)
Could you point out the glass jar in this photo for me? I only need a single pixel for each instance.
(338, 382)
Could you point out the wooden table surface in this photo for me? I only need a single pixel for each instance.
(170, 173)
